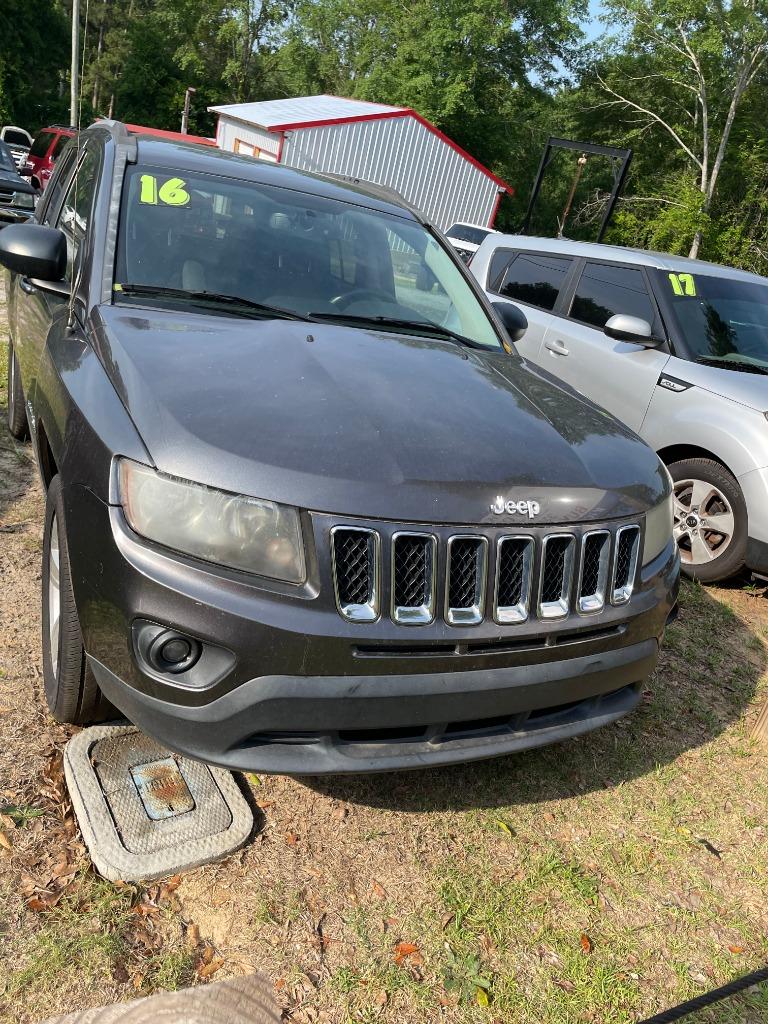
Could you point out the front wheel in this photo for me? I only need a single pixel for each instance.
(710, 524)
(71, 691)
(17, 413)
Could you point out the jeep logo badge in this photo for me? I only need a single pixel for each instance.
(500, 506)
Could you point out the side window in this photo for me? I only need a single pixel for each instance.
(604, 291)
(76, 209)
(40, 145)
(49, 204)
(535, 279)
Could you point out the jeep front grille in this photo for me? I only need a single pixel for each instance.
(466, 572)
(625, 563)
(514, 563)
(595, 552)
(413, 578)
(356, 567)
(465, 579)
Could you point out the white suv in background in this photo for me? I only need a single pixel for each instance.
(467, 238)
(675, 348)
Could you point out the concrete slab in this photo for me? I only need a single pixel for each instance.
(146, 812)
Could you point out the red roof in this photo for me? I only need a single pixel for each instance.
(140, 129)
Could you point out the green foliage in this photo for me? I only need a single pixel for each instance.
(33, 58)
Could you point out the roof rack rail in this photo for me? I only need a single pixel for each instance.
(66, 127)
(374, 188)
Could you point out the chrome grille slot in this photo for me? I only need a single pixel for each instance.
(356, 557)
(556, 575)
(514, 562)
(593, 574)
(413, 578)
(625, 563)
(465, 580)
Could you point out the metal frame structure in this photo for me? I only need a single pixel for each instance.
(620, 161)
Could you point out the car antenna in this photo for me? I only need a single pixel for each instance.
(75, 34)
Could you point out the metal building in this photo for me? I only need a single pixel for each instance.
(392, 146)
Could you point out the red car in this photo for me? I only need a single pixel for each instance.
(47, 146)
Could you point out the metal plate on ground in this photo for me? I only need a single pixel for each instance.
(145, 812)
(162, 789)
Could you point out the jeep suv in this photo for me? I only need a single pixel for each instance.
(675, 348)
(307, 510)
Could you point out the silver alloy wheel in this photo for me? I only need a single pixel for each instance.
(54, 595)
(704, 522)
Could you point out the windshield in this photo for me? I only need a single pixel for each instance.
(14, 137)
(6, 160)
(723, 321)
(293, 250)
(468, 233)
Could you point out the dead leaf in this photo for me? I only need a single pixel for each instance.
(264, 804)
(735, 949)
(378, 889)
(339, 813)
(446, 919)
(404, 951)
(586, 943)
(7, 821)
(381, 998)
(138, 979)
(291, 838)
(482, 997)
(279, 984)
(193, 935)
(207, 954)
(566, 986)
(5, 842)
(207, 969)
(503, 826)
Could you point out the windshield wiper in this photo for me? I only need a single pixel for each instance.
(416, 326)
(209, 298)
(723, 362)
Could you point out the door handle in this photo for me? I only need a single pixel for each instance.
(26, 286)
(557, 346)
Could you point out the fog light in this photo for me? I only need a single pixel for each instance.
(173, 652)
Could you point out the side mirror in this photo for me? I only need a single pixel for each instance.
(34, 250)
(513, 318)
(631, 328)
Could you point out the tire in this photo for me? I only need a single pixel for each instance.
(17, 412)
(71, 691)
(710, 520)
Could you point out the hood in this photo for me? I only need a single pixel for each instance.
(750, 389)
(367, 424)
(14, 181)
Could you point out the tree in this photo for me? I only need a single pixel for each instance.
(691, 65)
(33, 56)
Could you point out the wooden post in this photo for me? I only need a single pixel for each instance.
(248, 1000)
(760, 731)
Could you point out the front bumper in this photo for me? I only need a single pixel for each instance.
(304, 694)
(754, 487)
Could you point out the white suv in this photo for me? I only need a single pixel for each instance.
(675, 348)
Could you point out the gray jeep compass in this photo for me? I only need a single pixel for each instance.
(307, 510)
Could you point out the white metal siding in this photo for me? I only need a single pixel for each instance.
(229, 131)
(401, 153)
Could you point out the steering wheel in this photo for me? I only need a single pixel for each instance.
(360, 295)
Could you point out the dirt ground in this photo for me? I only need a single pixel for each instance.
(601, 880)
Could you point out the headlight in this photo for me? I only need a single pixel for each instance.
(229, 529)
(658, 530)
(23, 199)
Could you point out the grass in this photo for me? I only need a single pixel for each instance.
(88, 941)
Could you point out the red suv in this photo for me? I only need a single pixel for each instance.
(45, 149)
